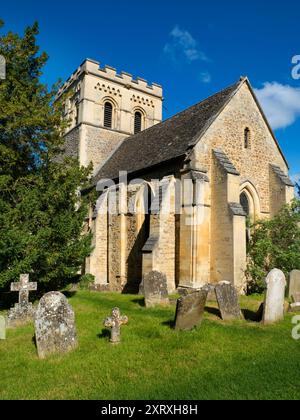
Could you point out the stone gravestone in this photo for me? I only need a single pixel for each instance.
(190, 310)
(2, 328)
(274, 299)
(155, 289)
(294, 283)
(55, 330)
(115, 322)
(23, 311)
(228, 301)
(295, 305)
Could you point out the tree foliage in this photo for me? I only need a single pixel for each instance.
(41, 212)
(274, 243)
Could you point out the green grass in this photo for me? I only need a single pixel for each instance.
(238, 360)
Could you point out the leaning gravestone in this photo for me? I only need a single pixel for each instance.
(155, 289)
(228, 301)
(23, 311)
(190, 310)
(274, 300)
(55, 330)
(2, 328)
(294, 283)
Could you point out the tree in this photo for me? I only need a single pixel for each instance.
(41, 212)
(274, 243)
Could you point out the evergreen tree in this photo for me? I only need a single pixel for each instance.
(41, 213)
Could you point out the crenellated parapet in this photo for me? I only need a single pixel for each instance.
(110, 74)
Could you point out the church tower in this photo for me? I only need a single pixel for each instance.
(104, 108)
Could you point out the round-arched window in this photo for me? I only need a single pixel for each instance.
(138, 122)
(108, 115)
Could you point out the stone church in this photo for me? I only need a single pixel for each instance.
(216, 164)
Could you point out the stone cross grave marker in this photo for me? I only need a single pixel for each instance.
(294, 283)
(22, 311)
(228, 301)
(55, 330)
(115, 321)
(155, 289)
(274, 299)
(23, 287)
(190, 310)
(2, 328)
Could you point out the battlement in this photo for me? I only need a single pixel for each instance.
(92, 67)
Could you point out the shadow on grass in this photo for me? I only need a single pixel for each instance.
(253, 316)
(213, 311)
(104, 334)
(140, 301)
(34, 341)
(69, 294)
(170, 324)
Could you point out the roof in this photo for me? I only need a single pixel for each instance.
(165, 141)
(173, 138)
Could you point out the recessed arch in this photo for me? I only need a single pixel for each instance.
(138, 120)
(109, 112)
(249, 192)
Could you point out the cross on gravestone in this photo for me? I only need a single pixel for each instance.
(114, 322)
(23, 287)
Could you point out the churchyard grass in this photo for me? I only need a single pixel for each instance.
(232, 360)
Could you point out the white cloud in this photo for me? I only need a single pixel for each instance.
(281, 103)
(183, 42)
(205, 77)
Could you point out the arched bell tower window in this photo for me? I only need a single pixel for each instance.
(138, 122)
(247, 138)
(108, 115)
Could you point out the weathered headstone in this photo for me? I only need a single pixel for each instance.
(211, 289)
(23, 311)
(155, 289)
(190, 310)
(2, 328)
(228, 301)
(294, 283)
(55, 330)
(274, 299)
(115, 322)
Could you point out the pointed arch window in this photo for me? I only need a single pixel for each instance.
(108, 115)
(247, 138)
(138, 122)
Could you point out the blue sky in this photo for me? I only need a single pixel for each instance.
(193, 48)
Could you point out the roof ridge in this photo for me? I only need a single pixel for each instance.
(237, 84)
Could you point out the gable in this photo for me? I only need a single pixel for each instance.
(227, 133)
